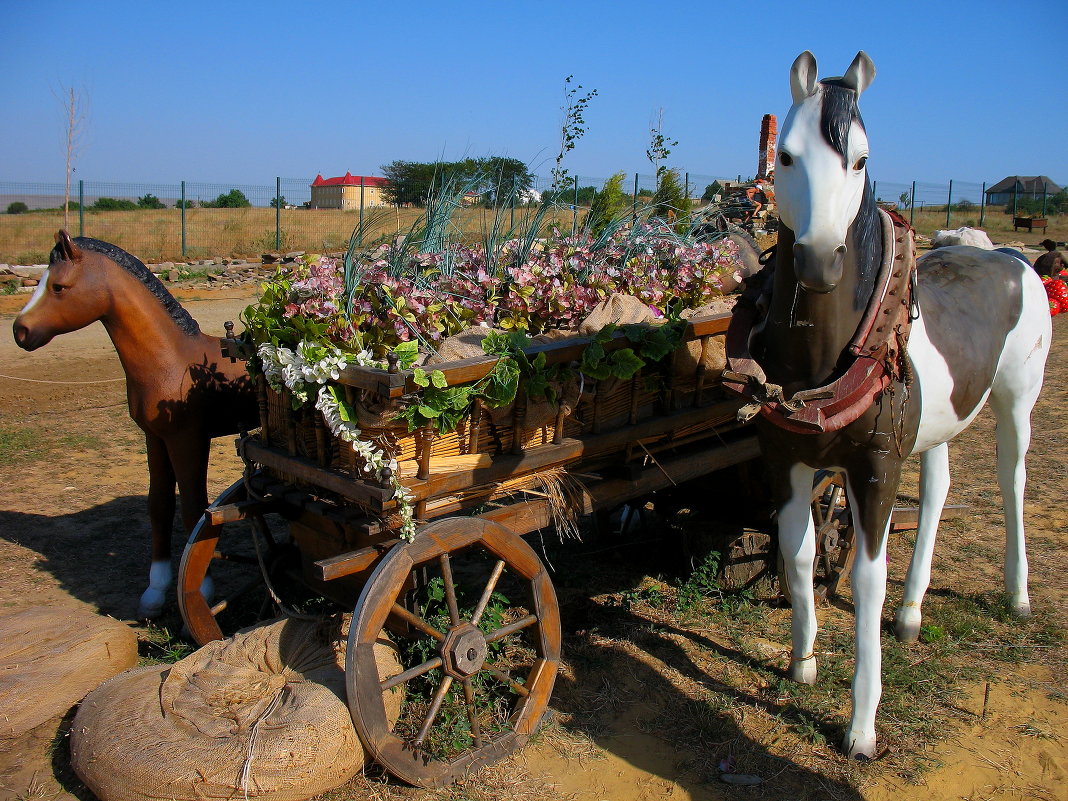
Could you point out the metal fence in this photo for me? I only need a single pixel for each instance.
(280, 220)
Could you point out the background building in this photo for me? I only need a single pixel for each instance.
(344, 192)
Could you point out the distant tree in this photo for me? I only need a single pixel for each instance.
(566, 196)
(659, 147)
(964, 205)
(186, 203)
(670, 202)
(234, 199)
(150, 202)
(278, 202)
(74, 114)
(713, 189)
(410, 182)
(502, 177)
(608, 204)
(113, 204)
(17, 207)
(904, 200)
(571, 130)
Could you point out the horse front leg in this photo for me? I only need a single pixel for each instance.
(189, 458)
(797, 544)
(871, 491)
(934, 487)
(161, 506)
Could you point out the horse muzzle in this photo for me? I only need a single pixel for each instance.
(818, 270)
(27, 339)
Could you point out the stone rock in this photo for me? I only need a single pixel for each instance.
(172, 276)
(35, 271)
(30, 282)
(165, 266)
(974, 237)
(270, 258)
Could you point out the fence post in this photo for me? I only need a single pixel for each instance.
(874, 194)
(686, 194)
(912, 206)
(574, 211)
(359, 235)
(1015, 195)
(634, 203)
(949, 203)
(982, 207)
(277, 212)
(511, 212)
(183, 219)
(81, 207)
(1044, 190)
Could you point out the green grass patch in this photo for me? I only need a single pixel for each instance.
(20, 445)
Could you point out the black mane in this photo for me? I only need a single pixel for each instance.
(138, 270)
(838, 112)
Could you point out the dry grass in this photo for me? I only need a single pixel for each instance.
(156, 235)
(995, 222)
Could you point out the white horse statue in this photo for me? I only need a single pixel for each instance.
(856, 356)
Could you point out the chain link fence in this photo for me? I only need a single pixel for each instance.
(193, 220)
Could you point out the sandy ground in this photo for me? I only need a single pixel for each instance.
(73, 532)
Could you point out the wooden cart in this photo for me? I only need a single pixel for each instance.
(468, 604)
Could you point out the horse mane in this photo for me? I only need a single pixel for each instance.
(138, 270)
(838, 112)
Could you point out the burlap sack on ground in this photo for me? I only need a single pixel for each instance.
(261, 715)
(51, 658)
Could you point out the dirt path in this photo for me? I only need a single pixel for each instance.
(73, 531)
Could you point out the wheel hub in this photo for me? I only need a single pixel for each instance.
(463, 651)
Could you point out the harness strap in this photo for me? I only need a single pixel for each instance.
(878, 349)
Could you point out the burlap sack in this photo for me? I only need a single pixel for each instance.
(50, 658)
(465, 345)
(259, 715)
(715, 356)
(618, 309)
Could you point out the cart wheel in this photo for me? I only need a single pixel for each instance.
(474, 616)
(835, 537)
(229, 552)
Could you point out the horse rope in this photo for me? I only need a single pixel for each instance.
(43, 381)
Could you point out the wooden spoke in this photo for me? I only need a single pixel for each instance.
(253, 583)
(511, 628)
(472, 713)
(416, 622)
(517, 688)
(450, 589)
(435, 707)
(487, 593)
(412, 673)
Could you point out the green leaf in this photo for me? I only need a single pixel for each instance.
(420, 378)
(407, 353)
(428, 412)
(437, 378)
(624, 363)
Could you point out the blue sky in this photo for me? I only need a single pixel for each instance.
(241, 92)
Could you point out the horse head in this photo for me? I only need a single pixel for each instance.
(68, 296)
(821, 175)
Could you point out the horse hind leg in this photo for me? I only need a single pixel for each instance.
(1013, 436)
(934, 487)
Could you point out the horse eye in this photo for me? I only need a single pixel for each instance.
(860, 163)
(785, 159)
(57, 288)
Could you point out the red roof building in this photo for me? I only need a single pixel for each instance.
(347, 191)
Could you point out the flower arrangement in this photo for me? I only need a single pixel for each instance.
(321, 314)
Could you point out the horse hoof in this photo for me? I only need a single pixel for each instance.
(1022, 609)
(803, 671)
(906, 631)
(151, 605)
(859, 747)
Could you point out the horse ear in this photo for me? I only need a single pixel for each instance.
(65, 245)
(803, 77)
(860, 73)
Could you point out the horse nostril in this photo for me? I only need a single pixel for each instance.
(20, 334)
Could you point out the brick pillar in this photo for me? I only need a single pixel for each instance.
(769, 129)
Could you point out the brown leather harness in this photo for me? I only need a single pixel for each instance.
(879, 348)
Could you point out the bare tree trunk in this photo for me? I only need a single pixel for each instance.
(71, 120)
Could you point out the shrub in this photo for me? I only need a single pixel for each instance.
(607, 204)
(18, 207)
(234, 199)
(150, 202)
(113, 204)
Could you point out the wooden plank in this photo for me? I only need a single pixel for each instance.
(232, 512)
(374, 498)
(499, 469)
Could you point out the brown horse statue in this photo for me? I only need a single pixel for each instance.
(182, 391)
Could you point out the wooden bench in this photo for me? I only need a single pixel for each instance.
(1030, 223)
